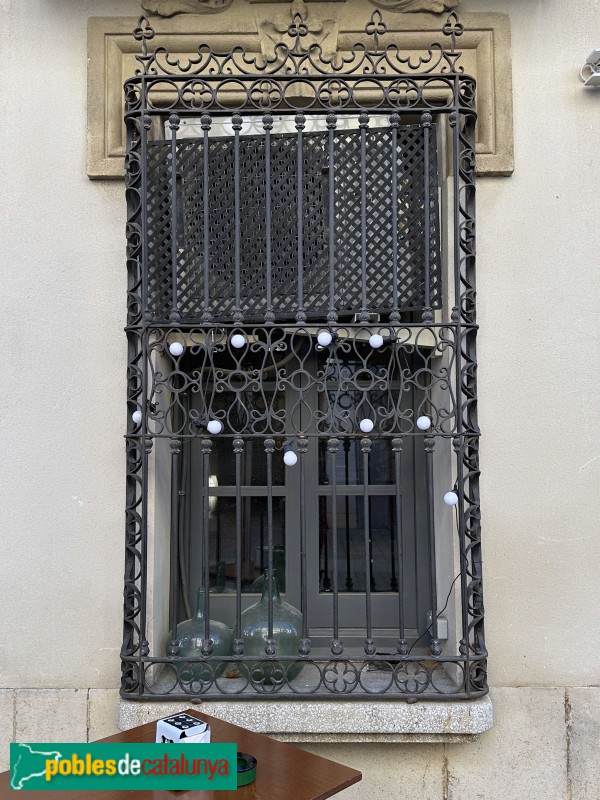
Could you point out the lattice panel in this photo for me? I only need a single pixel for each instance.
(348, 229)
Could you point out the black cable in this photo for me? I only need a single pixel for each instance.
(428, 628)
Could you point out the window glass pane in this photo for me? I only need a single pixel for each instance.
(351, 544)
(349, 463)
(254, 543)
(254, 463)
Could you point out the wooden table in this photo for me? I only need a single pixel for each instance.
(284, 772)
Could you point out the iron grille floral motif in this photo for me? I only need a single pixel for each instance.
(228, 297)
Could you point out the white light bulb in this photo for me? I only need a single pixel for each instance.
(290, 458)
(325, 338)
(376, 340)
(451, 498)
(423, 423)
(238, 340)
(214, 426)
(176, 348)
(366, 425)
(137, 416)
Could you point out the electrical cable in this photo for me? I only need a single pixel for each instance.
(428, 628)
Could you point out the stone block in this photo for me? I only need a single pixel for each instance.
(523, 756)
(51, 715)
(389, 770)
(339, 721)
(7, 718)
(583, 717)
(130, 714)
(102, 713)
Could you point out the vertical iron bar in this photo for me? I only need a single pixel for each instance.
(457, 444)
(175, 466)
(140, 446)
(304, 647)
(188, 506)
(397, 450)
(269, 448)
(394, 565)
(181, 528)
(363, 122)
(145, 127)
(238, 449)
(429, 442)
(145, 445)
(331, 126)
(467, 483)
(206, 647)
(300, 120)
(188, 509)
(175, 315)
(394, 123)
(236, 121)
(206, 124)
(427, 315)
(349, 582)
(261, 536)
(454, 123)
(333, 446)
(365, 446)
(268, 126)
(326, 578)
(458, 441)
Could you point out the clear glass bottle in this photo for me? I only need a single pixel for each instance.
(287, 632)
(190, 635)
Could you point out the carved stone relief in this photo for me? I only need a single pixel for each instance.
(435, 6)
(168, 8)
(309, 30)
(262, 2)
(485, 50)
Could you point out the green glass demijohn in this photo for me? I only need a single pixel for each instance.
(190, 635)
(287, 632)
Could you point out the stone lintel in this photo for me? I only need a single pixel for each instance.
(485, 45)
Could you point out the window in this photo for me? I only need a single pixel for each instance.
(288, 301)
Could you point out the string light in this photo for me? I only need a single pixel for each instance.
(238, 340)
(137, 416)
(213, 426)
(423, 423)
(289, 457)
(451, 499)
(325, 338)
(366, 425)
(176, 348)
(376, 340)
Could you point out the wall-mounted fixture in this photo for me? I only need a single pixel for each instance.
(590, 72)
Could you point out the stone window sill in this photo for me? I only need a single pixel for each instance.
(339, 721)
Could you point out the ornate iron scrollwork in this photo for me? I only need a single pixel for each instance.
(292, 286)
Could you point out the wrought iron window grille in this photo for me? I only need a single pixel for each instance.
(302, 378)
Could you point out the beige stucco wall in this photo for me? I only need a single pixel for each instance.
(538, 294)
(62, 363)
